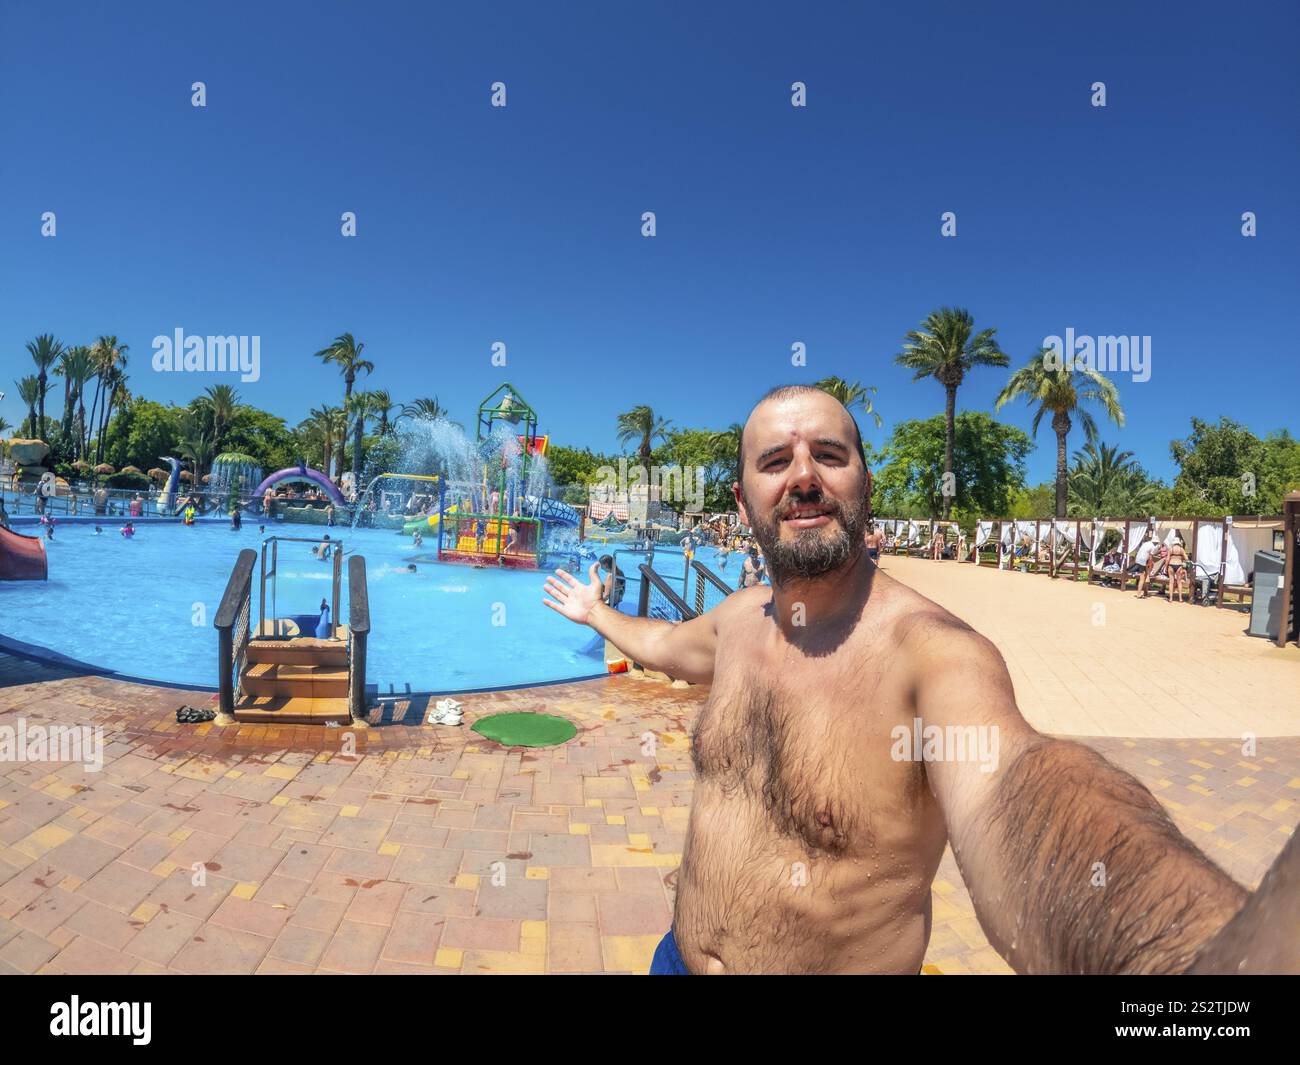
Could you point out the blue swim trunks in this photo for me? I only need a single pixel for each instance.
(667, 962)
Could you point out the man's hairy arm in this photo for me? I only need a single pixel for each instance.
(1073, 865)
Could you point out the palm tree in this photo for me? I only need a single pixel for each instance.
(4, 426)
(29, 391)
(195, 445)
(115, 394)
(943, 348)
(1061, 387)
(74, 368)
(383, 406)
(108, 354)
(727, 442)
(361, 406)
(80, 369)
(1105, 480)
(222, 401)
(345, 353)
(851, 395)
(428, 409)
(44, 350)
(641, 425)
(326, 427)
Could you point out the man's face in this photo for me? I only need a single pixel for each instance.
(803, 490)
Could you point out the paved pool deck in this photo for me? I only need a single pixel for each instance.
(252, 849)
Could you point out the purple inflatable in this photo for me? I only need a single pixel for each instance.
(301, 473)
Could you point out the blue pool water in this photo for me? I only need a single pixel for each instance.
(145, 607)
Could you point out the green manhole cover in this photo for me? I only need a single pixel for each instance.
(526, 730)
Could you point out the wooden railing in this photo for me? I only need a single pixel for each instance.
(233, 628)
(358, 636)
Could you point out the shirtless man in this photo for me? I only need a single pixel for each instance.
(873, 541)
(815, 834)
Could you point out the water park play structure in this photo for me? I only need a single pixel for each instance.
(301, 472)
(22, 558)
(493, 511)
(167, 497)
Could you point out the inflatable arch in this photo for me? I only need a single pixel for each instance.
(301, 473)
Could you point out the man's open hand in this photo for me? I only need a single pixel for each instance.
(572, 598)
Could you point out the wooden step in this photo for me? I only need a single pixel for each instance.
(291, 710)
(305, 651)
(288, 678)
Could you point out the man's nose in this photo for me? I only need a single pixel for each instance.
(803, 475)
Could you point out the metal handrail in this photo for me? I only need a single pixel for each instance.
(702, 574)
(358, 635)
(650, 577)
(231, 614)
(271, 572)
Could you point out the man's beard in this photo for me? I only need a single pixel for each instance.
(811, 552)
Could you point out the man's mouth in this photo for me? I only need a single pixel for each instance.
(808, 515)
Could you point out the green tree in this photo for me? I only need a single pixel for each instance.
(988, 468)
(1105, 481)
(143, 434)
(640, 425)
(360, 407)
(1061, 387)
(1032, 503)
(851, 395)
(75, 367)
(110, 358)
(427, 408)
(945, 349)
(195, 443)
(29, 391)
(383, 407)
(262, 435)
(1225, 469)
(223, 401)
(345, 353)
(44, 350)
(704, 471)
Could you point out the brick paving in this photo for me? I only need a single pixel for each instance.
(262, 849)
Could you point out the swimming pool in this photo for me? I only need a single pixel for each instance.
(145, 607)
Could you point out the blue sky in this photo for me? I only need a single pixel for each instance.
(775, 224)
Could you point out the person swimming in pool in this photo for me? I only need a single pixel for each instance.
(47, 520)
(322, 549)
(128, 530)
(819, 813)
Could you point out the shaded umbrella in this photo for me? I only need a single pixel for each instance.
(206, 478)
(186, 475)
(157, 474)
(104, 468)
(81, 464)
(131, 469)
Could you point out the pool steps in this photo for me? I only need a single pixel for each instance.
(298, 681)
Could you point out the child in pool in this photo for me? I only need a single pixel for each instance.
(48, 521)
(128, 530)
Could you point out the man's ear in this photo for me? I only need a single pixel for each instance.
(739, 495)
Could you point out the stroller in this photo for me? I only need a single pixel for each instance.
(1205, 584)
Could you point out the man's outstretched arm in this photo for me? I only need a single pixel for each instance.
(683, 650)
(1073, 865)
